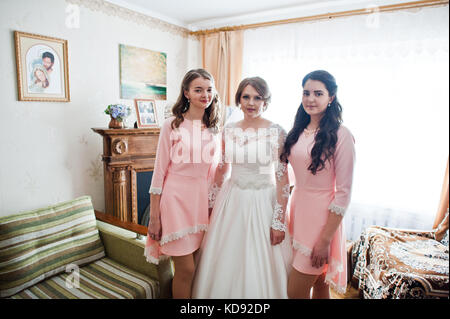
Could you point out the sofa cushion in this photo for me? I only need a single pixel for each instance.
(103, 279)
(38, 244)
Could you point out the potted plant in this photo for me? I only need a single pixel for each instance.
(118, 113)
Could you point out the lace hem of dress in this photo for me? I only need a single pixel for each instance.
(277, 218)
(155, 190)
(177, 235)
(150, 258)
(302, 249)
(337, 267)
(337, 209)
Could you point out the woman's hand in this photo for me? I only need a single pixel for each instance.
(319, 254)
(276, 236)
(154, 228)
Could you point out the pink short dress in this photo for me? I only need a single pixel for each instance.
(313, 198)
(184, 168)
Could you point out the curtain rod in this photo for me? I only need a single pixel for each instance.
(386, 8)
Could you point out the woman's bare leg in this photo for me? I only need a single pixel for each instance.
(321, 290)
(182, 279)
(299, 285)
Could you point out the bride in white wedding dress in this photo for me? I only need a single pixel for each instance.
(245, 252)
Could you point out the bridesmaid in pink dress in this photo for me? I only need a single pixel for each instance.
(179, 189)
(322, 154)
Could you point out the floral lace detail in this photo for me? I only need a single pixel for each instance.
(177, 235)
(281, 170)
(257, 181)
(155, 190)
(149, 252)
(222, 162)
(277, 218)
(337, 209)
(212, 194)
(334, 268)
(242, 137)
(301, 248)
(286, 191)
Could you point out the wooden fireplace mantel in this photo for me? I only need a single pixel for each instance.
(126, 152)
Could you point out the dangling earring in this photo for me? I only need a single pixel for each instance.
(186, 107)
(329, 104)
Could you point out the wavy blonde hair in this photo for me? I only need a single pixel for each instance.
(211, 118)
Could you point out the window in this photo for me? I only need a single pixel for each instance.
(393, 86)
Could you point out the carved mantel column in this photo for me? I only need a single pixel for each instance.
(126, 152)
(120, 193)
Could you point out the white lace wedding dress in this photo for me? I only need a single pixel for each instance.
(236, 258)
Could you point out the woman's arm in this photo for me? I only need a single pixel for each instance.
(220, 172)
(278, 228)
(162, 163)
(344, 160)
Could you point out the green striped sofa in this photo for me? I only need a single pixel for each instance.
(62, 251)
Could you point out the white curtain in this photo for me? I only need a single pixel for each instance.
(392, 74)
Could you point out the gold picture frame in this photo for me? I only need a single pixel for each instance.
(42, 68)
(146, 113)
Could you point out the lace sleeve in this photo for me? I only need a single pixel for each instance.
(282, 182)
(220, 173)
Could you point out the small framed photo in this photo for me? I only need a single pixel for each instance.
(146, 113)
(42, 68)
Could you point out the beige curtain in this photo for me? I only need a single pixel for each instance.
(443, 204)
(222, 57)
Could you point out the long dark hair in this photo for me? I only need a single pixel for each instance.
(326, 138)
(212, 115)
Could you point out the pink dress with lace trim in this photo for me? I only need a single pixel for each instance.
(182, 173)
(312, 199)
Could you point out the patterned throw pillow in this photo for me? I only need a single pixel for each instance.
(38, 244)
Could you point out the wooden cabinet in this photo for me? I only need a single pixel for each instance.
(126, 152)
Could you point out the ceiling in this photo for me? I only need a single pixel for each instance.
(206, 14)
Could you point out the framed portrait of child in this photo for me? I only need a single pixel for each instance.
(146, 113)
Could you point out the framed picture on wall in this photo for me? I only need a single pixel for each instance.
(146, 113)
(42, 68)
(146, 79)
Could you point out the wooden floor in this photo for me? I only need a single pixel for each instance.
(352, 293)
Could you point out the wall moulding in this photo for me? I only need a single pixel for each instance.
(133, 16)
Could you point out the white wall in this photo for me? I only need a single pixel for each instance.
(48, 151)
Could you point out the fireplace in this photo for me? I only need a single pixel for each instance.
(128, 162)
(144, 180)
